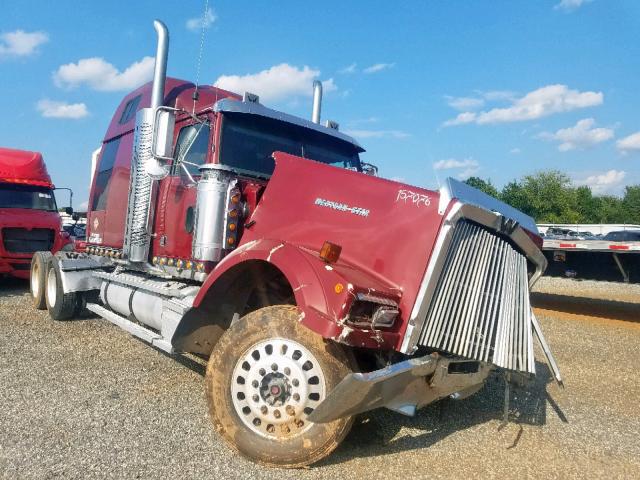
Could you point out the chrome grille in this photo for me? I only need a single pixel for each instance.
(480, 308)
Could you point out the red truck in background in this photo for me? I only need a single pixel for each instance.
(222, 228)
(29, 218)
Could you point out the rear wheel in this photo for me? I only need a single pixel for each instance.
(266, 374)
(61, 306)
(38, 278)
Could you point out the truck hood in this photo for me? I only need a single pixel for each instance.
(386, 229)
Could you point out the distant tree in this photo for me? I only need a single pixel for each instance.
(587, 205)
(483, 185)
(631, 204)
(610, 210)
(513, 193)
(547, 196)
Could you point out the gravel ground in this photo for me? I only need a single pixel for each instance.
(83, 399)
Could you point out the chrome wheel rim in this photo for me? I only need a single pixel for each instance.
(276, 384)
(35, 281)
(52, 290)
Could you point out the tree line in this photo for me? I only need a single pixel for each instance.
(550, 197)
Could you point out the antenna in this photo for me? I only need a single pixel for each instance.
(199, 61)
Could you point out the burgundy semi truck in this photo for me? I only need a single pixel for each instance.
(259, 240)
(29, 218)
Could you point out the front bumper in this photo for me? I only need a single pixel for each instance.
(15, 267)
(403, 387)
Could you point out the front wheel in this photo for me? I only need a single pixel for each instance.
(61, 306)
(265, 375)
(38, 278)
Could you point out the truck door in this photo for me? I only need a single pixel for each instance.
(177, 193)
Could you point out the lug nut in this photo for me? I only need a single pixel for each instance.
(276, 413)
(255, 398)
(290, 410)
(264, 410)
(287, 371)
(296, 397)
(274, 367)
(255, 384)
(262, 372)
(295, 382)
(271, 428)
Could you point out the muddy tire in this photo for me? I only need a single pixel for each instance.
(265, 375)
(61, 306)
(38, 278)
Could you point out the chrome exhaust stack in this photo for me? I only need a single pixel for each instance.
(160, 69)
(317, 101)
(145, 167)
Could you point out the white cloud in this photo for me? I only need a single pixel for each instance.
(515, 151)
(377, 133)
(570, 5)
(205, 21)
(21, 43)
(83, 206)
(581, 135)
(466, 168)
(99, 74)
(378, 67)
(450, 163)
(461, 119)
(276, 83)
(348, 69)
(52, 109)
(536, 104)
(497, 95)
(604, 182)
(465, 103)
(630, 143)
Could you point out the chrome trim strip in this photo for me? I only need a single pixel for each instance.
(490, 219)
(235, 106)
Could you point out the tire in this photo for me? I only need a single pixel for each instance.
(268, 423)
(61, 306)
(38, 278)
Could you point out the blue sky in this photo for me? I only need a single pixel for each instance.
(432, 89)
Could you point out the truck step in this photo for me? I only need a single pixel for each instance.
(134, 329)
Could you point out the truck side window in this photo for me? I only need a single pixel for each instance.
(130, 110)
(192, 148)
(105, 169)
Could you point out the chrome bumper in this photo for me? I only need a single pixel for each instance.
(403, 387)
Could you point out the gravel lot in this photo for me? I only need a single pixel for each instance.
(83, 399)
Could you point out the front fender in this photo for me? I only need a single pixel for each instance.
(323, 293)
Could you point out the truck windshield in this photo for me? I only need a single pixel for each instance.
(248, 141)
(27, 196)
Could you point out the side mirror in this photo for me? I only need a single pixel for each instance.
(369, 169)
(68, 210)
(163, 126)
(162, 142)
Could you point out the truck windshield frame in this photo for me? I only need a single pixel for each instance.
(29, 197)
(248, 142)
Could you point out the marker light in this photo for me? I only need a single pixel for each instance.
(330, 252)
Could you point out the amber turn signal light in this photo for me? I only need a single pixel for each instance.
(330, 252)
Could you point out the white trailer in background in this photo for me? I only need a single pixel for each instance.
(593, 228)
(593, 259)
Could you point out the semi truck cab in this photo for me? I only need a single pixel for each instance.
(317, 291)
(29, 219)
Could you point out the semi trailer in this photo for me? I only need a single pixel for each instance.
(260, 241)
(29, 218)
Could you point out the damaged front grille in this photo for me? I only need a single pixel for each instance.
(23, 240)
(480, 308)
